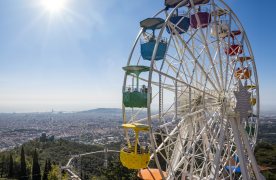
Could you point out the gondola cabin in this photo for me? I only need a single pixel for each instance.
(243, 73)
(200, 20)
(253, 101)
(243, 59)
(135, 96)
(220, 28)
(150, 174)
(235, 33)
(250, 129)
(179, 24)
(149, 42)
(234, 50)
(232, 165)
(133, 155)
(147, 49)
(251, 87)
(219, 12)
(251, 115)
(197, 2)
(174, 3)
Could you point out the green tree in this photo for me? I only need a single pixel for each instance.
(2, 166)
(11, 174)
(117, 171)
(47, 169)
(54, 173)
(49, 165)
(36, 168)
(23, 168)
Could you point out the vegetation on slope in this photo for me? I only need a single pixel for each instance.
(45, 158)
(36, 156)
(265, 154)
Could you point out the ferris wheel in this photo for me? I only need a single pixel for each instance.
(191, 95)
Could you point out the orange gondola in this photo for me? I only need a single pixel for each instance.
(243, 73)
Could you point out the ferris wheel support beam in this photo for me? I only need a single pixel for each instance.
(240, 147)
(250, 154)
(215, 166)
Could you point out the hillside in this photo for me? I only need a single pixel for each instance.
(91, 167)
(59, 152)
(265, 154)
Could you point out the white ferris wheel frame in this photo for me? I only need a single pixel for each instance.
(241, 142)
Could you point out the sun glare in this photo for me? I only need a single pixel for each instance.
(54, 5)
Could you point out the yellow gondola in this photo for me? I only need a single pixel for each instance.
(253, 101)
(251, 87)
(134, 156)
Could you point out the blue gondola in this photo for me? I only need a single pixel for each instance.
(234, 169)
(148, 47)
(181, 24)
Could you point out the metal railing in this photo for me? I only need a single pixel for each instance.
(141, 89)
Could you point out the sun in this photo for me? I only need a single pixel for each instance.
(54, 5)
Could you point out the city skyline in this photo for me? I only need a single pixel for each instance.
(71, 59)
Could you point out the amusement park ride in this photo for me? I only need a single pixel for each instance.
(196, 115)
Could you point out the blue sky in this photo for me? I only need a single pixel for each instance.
(72, 60)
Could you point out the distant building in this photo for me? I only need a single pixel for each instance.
(45, 138)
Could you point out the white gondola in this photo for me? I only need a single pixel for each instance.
(220, 28)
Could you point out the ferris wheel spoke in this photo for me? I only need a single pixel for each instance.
(197, 63)
(180, 71)
(214, 9)
(199, 54)
(175, 129)
(177, 47)
(168, 76)
(231, 77)
(228, 47)
(180, 124)
(195, 141)
(207, 49)
(177, 71)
